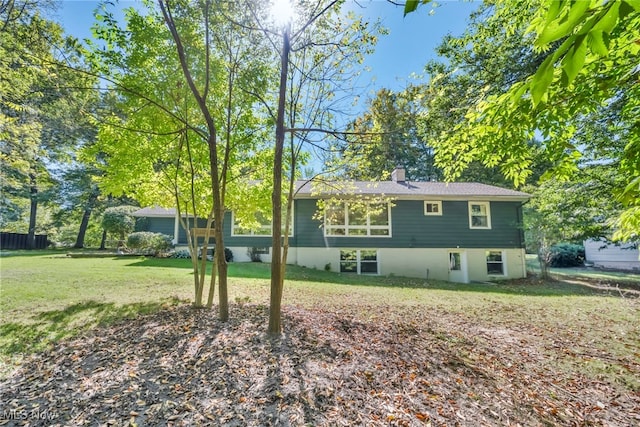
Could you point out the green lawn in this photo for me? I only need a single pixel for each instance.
(586, 272)
(47, 296)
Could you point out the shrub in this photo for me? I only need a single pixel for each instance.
(149, 243)
(181, 254)
(228, 254)
(254, 254)
(211, 253)
(118, 220)
(566, 255)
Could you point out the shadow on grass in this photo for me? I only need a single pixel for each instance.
(52, 326)
(252, 270)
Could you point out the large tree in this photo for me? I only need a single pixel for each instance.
(42, 108)
(182, 138)
(318, 51)
(386, 136)
(588, 77)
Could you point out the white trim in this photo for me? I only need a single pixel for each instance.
(359, 260)
(438, 211)
(487, 205)
(503, 260)
(368, 228)
(252, 233)
(176, 228)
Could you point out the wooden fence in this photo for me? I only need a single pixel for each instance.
(19, 241)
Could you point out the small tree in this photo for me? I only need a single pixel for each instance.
(118, 220)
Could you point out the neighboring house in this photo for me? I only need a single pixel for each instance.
(608, 255)
(459, 232)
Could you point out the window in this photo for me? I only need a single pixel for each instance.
(263, 228)
(479, 215)
(495, 263)
(432, 207)
(454, 261)
(359, 220)
(360, 261)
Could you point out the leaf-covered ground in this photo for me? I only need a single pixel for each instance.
(391, 366)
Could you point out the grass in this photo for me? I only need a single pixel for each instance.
(586, 273)
(46, 297)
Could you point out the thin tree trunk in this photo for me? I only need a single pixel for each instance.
(85, 221)
(103, 241)
(83, 229)
(33, 210)
(275, 302)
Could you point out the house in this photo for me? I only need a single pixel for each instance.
(608, 255)
(460, 232)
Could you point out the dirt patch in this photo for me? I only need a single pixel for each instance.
(182, 367)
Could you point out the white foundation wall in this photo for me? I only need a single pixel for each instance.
(420, 262)
(240, 255)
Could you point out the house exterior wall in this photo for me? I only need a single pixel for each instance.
(410, 228)
(427, 263)
(419, 244)
(624, 257)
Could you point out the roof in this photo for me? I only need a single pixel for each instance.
(398, 190)
(410, 190)
(155, 211)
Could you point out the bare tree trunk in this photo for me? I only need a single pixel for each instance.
(33, 210)
(85, 221)
(275, 302)
(103, 241)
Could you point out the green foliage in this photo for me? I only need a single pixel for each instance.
(228, 254)
(148, 242)
(118, 220)
(567, 255)
(387, 136)
(576, 88)
(43, 109)
(181, 254)
(254, 254)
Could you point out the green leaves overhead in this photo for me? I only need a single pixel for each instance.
(572, 83)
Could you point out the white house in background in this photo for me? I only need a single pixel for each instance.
(607, 255)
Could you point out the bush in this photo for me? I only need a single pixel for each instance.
(228, 254)
(211, 253)
(181, 254)
(149, 243)
(254, 254)
(566, 255)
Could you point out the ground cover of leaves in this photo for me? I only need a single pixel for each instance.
(403, 366)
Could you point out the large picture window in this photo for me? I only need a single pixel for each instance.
(264, 226)
(495, 263)
(479, 215)
(360, 261)
(358, 219)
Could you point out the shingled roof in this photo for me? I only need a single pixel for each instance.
(155, 211)
(409, 190)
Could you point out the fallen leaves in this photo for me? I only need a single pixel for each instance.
(409, 368)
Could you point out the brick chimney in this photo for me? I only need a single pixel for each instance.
(398, 174)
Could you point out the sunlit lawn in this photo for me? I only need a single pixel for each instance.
(48, 296)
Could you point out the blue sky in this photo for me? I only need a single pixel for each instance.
(408, 47)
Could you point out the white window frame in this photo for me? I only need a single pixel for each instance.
(487, 205)
(359, 261)
(433, 202)
(503, 262)
(328, 228)
(269, 227)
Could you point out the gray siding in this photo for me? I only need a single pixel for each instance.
(410, 228)
(159, 225)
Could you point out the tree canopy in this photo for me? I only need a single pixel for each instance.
(579, 100)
